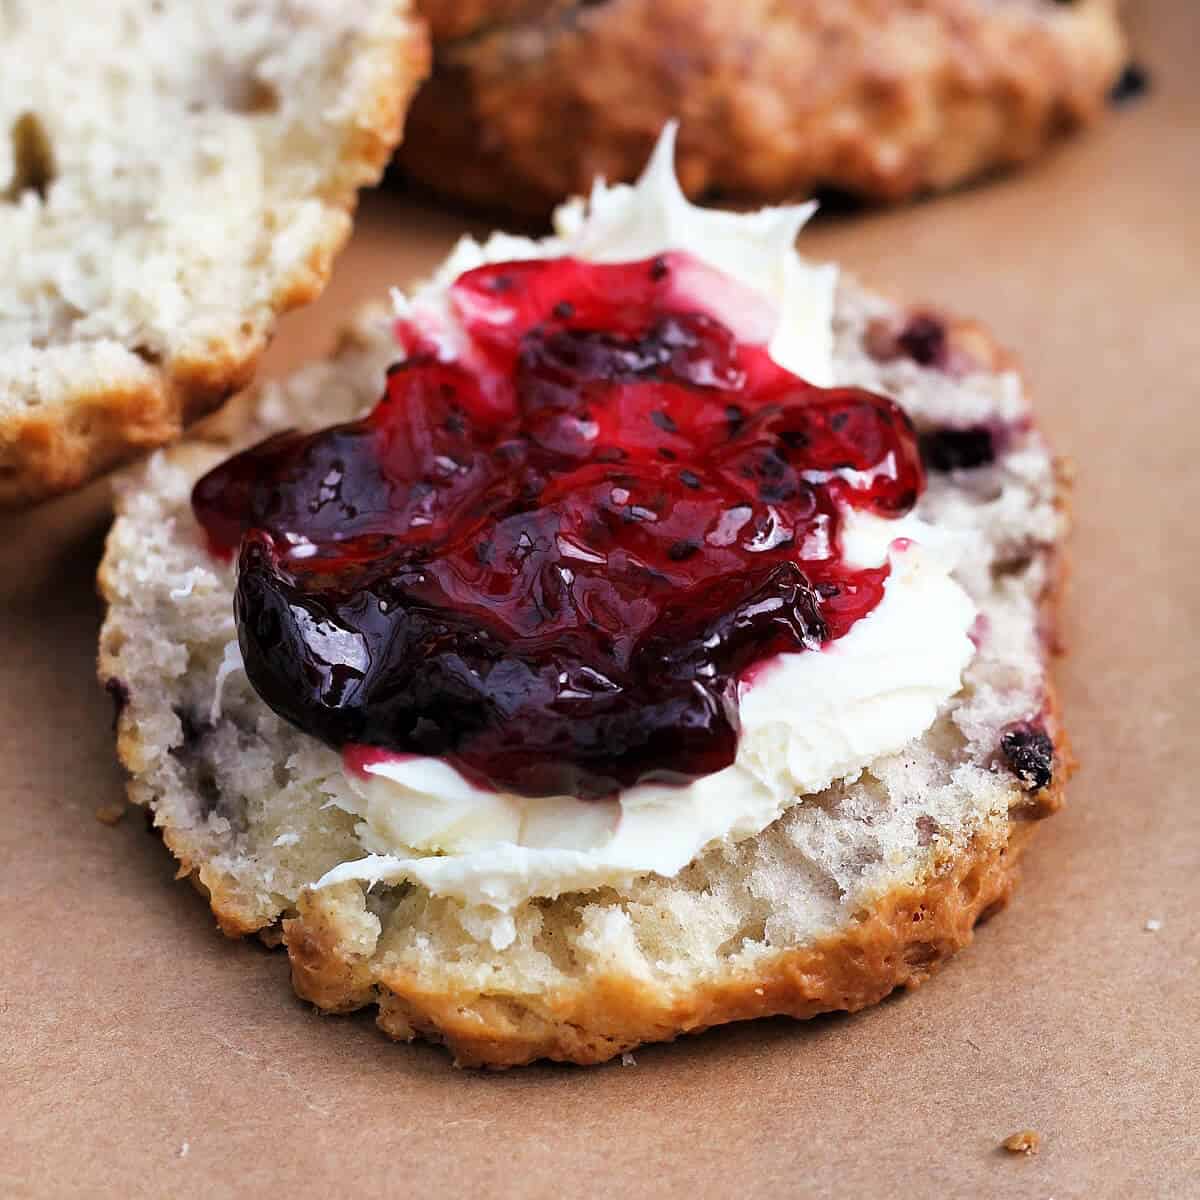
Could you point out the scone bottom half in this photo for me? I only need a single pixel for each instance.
(863, 887)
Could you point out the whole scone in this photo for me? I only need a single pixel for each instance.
(173, 176)
(531, 100)
(480, 939)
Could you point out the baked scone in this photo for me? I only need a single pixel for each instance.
(172, 177)
(532, 99)
(575, 873)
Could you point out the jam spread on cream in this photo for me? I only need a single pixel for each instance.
(550, 559)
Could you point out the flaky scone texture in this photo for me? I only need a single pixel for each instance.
(173, 175)
(852, 893)
(532, 99)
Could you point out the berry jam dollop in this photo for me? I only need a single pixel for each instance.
(549, 560)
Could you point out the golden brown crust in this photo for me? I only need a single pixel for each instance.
(898, 942)
(48, 450)
(44, 452)
(886, 98)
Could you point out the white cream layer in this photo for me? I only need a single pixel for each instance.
(808, 719)
(783, 301)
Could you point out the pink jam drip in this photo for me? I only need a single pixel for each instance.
(550, 560)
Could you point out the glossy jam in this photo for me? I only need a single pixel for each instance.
(550, 559)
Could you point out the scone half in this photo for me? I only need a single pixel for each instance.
(173, 176)
(859, 888)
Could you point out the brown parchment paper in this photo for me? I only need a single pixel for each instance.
(141, 1054)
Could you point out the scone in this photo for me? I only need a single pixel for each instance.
(530, 99)
(667, 647)
(173, 176)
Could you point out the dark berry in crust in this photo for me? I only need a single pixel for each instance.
(1029, 753)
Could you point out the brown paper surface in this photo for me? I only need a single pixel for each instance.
(142, 1054)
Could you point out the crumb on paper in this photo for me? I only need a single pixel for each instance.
(1153, 925)
(759, 991)
(183, 1150)
(110, 814)
(627, 1060)
(1027, 1142)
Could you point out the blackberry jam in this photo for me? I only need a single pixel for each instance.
(549, 560)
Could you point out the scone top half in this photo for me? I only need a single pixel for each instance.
(173, 177)
(665, 647)
(883, 99)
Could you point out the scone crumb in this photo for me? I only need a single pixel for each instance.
(1027, 1142)
(1153, 925)
(627, 1060)
(183, 1150)
(110, 814)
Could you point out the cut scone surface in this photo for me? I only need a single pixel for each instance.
(855, 891)
(172, 177)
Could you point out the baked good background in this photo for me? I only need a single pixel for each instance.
(529, 99)
(1068, 1017)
